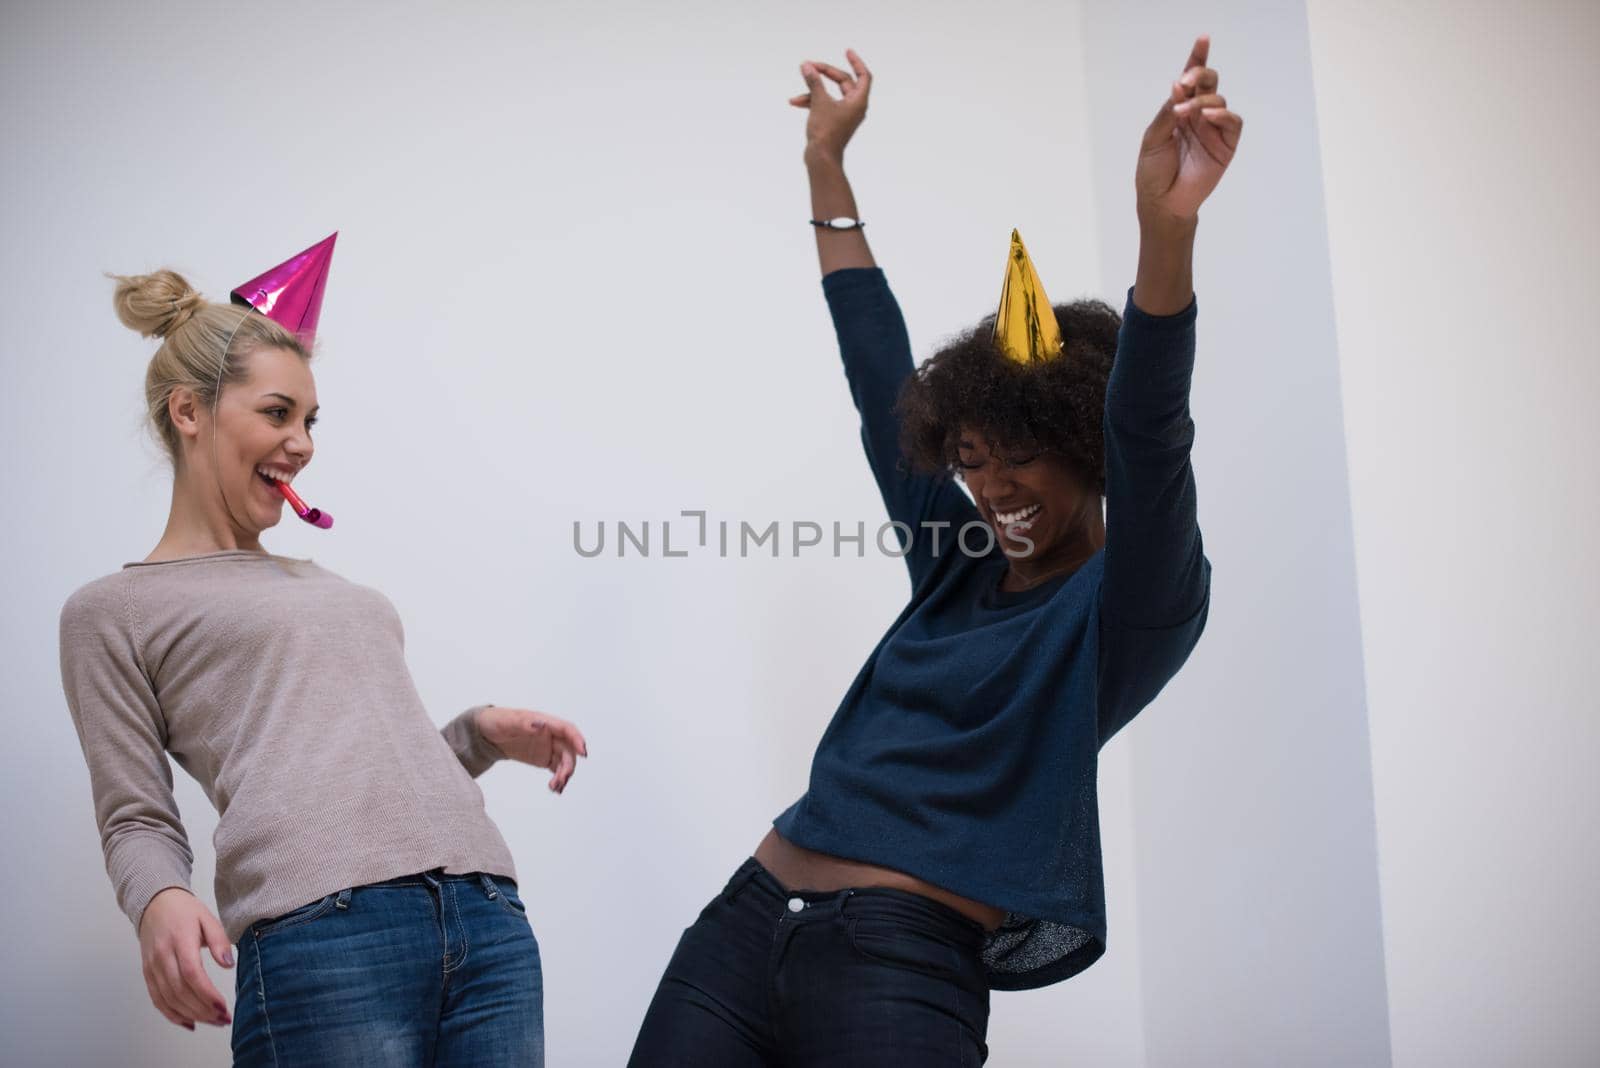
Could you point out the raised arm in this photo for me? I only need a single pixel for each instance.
(1185, 150)
(1155, 594)
(830, 123)
(873, 342)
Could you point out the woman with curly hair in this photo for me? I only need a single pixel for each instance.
(948, 843)
(373, 900)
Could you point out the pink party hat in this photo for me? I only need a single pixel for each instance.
(290, 294)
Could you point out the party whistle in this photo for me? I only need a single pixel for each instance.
(315, 516)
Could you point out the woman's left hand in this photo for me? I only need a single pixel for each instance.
(534, 738)
(1188, 145)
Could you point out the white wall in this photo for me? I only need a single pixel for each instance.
(1259, 926)
(1460, 152)
(575, 283)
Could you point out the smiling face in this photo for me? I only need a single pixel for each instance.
(262, 432)
(1028, 495)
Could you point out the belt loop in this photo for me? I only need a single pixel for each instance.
(489, 888)
(741, 880)
(343, 901)
(428, 878)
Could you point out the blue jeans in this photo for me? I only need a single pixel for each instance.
(869, 976)
(424, 969)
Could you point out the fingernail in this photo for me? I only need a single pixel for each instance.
(227, 958)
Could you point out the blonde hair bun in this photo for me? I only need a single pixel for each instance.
(155, 304)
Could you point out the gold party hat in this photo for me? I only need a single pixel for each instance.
(1025, 327)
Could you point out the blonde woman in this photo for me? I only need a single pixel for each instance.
(373, 901)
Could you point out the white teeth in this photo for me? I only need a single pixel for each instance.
(281, 474)
(1007, 518)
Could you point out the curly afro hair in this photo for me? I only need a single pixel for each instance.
(1058, 405)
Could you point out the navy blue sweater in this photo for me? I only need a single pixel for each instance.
(966, 750)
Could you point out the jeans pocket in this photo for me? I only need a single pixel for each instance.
(900, 944)
(303, 914)
(508, 895)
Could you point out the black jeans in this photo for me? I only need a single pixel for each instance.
(869, 976)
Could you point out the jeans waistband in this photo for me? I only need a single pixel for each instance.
(753, 877)
(436, 876)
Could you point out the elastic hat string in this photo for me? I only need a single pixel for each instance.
(216, 401)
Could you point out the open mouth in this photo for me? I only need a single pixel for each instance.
(275, 473)
(1019, 521)
(271, 475)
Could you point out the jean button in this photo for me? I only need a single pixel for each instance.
(795, 904)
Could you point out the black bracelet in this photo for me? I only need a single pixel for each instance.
(843, 222)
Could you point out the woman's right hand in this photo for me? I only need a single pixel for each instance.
(833, 121)
(174, 926)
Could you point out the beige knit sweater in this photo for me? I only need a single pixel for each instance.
(282, 689)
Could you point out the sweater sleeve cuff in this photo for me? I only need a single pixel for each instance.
(847, 280)
(1142, 320)
(476, 753)
(154, 874)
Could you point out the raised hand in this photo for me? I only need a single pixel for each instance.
(832, 120)
(1188, 145)
(534, 738)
